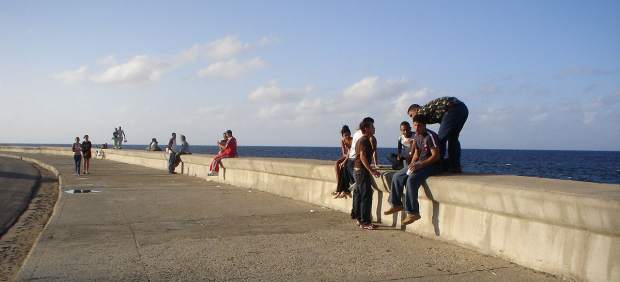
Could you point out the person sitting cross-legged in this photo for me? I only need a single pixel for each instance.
(425, 162)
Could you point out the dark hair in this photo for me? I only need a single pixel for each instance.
(406, 125)
(345, 129)
(365, 124)
(413, 106)
(173, 133)
(419, 119)
(368, 119)
(153, 139)
(229, 132)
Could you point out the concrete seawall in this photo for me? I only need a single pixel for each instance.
(562, 227)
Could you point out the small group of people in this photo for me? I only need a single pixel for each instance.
(118, 137)
(227, 149)
(421, 153)
(176, 151)
(82, 151)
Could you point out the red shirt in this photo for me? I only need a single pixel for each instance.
(231, 148)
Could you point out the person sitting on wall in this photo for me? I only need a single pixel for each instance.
(343, 177)
(221, 144)
(405, 140)
(175, 154)
(154, 146)
(425, 162)
(228, 150)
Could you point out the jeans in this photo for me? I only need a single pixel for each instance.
(397, 186)
(171, 161)
(362, 197)
(450, 127)
(78, 161)
(413, 184)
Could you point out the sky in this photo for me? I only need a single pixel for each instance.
(534, 74)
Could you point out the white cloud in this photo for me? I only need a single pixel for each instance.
(231, 68)
(539, 117)
(139, 69)
(271, 92)
(72, 76)
(107, 61)
(402, 103)
(372, 87)
(219, 49)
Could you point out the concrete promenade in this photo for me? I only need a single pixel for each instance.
(146, 225)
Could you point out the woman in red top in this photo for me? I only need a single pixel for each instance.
(228, 150)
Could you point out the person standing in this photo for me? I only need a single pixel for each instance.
(425, 162)
(115, 138)
(362, 196)
(121, 136)
(86, 153)
(353, 153)
(451, 115)
(77, 155)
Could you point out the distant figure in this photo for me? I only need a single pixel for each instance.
(228, 150)
(172, 142)
(77, 155)
(122, 137)
(175, 155)
(405, 141)
(115, 138)
(86, 153)
(425, 162)
(153, 146)
(362, 198)
(343, 177)
(451, 115)
(104, 146)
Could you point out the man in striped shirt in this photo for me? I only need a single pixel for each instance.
(425, 162)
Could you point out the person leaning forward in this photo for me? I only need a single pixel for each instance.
(451, 115)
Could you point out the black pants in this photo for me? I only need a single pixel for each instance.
(346, 178)
(450, 128)
(396, 164)
(362, 197)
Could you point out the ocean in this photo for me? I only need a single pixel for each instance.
(590, 166)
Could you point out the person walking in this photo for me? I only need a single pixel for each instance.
(86, 153)
(77, 155)
(122, 137)
(451, 115)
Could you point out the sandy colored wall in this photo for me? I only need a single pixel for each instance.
(562, 227)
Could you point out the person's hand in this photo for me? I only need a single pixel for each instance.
(415, 166)
(341, 165)
(398, 157)
(375, 173)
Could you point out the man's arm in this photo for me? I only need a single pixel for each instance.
(364, 158)
(434, 158)
(373, 143)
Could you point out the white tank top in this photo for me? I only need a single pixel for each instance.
(356, 136)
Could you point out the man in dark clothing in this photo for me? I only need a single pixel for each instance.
(423, 164)
(451, 115)
(362, 171)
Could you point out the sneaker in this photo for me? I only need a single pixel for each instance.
(369, 227)
(393, 209)
(358, 223)
(410, 218)
(212, 174)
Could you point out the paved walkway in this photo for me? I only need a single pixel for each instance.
(146, 225)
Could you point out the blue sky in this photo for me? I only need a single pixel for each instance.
(534, 74)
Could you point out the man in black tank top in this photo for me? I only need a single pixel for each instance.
(362, 196)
